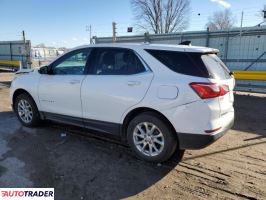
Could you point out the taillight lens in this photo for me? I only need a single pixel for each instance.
(209, 90)
(224, 89)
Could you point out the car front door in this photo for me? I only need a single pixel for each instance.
(59, 90)
(117, 80)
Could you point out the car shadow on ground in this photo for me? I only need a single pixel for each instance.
(6, 114)
(5, 84)
(226, 150)
(79, 167)
(250, 114)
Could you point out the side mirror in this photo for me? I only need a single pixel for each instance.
(45, 70)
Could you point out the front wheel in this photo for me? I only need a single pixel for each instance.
(151, 138)
(26, 110)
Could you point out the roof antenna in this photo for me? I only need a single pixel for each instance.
(188, 43)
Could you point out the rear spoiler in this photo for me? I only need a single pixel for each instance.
(210, 50)
(188, 43)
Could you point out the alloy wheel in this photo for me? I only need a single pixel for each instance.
(148, 139)
(25, 111)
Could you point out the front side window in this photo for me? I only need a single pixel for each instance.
(114, 61)
(73, 63)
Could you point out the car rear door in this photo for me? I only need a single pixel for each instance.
(117, 80)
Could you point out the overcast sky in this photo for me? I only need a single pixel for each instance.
(63, 22)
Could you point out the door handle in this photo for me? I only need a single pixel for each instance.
(133, 83)
(74, 82)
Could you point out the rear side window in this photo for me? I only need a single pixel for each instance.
(215, 66)
(114, 61)
(181, 62)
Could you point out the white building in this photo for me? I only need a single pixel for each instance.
(45, 53)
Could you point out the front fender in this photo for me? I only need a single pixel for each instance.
(28, 82)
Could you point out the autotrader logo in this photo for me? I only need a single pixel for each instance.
(26, 193)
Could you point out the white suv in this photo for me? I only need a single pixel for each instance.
(157, 98)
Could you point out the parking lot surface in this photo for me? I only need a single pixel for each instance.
(80, 167)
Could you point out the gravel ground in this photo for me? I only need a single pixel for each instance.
(81, 167)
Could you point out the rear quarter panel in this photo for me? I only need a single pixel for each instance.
(185, 110)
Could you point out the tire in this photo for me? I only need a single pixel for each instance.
(162, 137)
(31, 111)
(177, 155)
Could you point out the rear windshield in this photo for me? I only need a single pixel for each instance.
(215, 66)
(193, 64)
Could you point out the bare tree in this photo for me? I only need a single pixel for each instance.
(161, 16)
(221, 20)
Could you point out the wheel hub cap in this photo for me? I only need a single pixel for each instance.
(25, 111)
(148, 139)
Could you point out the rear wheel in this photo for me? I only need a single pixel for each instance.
(151, 138)
(26, 110)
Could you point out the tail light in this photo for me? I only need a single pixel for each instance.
(209, 90)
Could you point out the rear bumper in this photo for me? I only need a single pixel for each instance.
(199, 141)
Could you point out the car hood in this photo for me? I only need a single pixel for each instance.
(24, 71)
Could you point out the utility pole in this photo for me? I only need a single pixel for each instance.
(90, 33)
(114, 31)
(240, 39)
(25, 50)
(241, 24)
(23, 37)
(242, 16)
(88, 28)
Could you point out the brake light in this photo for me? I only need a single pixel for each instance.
(209, 90)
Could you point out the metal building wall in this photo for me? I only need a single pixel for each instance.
(239, 49)
(16, 50)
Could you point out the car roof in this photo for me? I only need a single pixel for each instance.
(170, 47)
